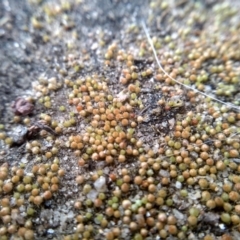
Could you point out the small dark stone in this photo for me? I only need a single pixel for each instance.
(48, 203)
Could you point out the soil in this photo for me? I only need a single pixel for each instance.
(60, 42)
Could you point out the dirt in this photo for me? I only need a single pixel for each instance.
(60, 42)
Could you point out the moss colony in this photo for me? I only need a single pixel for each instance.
(107, 146)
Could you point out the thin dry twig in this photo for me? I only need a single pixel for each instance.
(186, 86)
